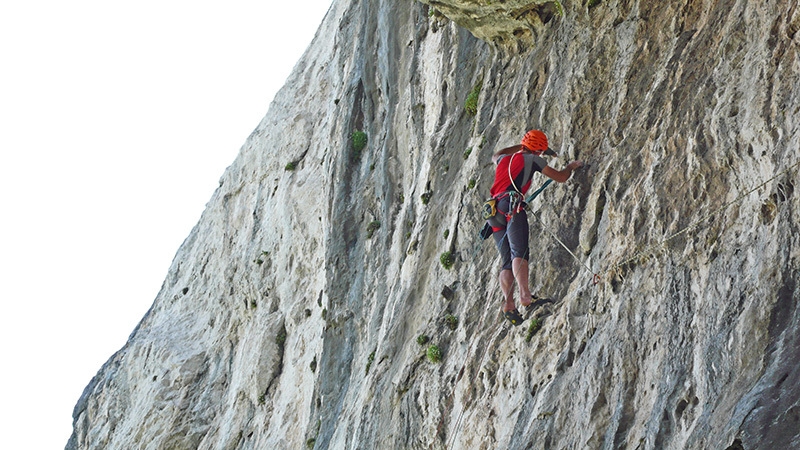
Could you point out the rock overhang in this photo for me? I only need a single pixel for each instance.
(501, 22)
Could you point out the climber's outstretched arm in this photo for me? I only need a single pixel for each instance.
(561, 175)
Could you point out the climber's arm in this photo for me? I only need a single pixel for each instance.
(506, 151)
(561, 175)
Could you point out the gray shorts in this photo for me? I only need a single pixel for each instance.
(512, 241)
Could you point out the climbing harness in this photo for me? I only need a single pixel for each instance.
(516, 204)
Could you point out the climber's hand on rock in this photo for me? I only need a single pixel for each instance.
(574, 165)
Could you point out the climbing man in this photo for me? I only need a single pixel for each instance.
(515, 167)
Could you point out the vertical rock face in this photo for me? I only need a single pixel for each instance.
(291, 314)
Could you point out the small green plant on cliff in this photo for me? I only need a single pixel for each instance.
(471, 104)
(422, 339)
(535, 325)
(451, 321)
(260, 259)
(280, 339)
(312, 441)
(434, 354)
(426, 197)
(290, 166)
(447, 259)
(359, 139)
(372, 227)
(434, 13)
(467, 152)
(262, 399)
(370, 359)
(560, 8)
(471, 184)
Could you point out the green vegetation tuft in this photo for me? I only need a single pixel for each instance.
(471, 184)
(452, 321)
(369, 362)
(467, 152)
(260, 259)
(560, 8)
(533, 328)
(359, 139)
(280, 339)
(372, 227)
(471, 104)
(426, 197)
(447, 259)
(290, 166)
(434, 354)
(422, 339)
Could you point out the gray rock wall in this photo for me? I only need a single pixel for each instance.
(291, 313)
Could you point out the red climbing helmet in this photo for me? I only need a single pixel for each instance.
(535, 141)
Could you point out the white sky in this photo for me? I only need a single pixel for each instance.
(117, 120)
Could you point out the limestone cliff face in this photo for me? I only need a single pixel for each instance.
(291, 314)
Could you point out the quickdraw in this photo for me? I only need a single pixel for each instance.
(515, 205)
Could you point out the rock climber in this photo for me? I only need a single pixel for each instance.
(513, 174)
